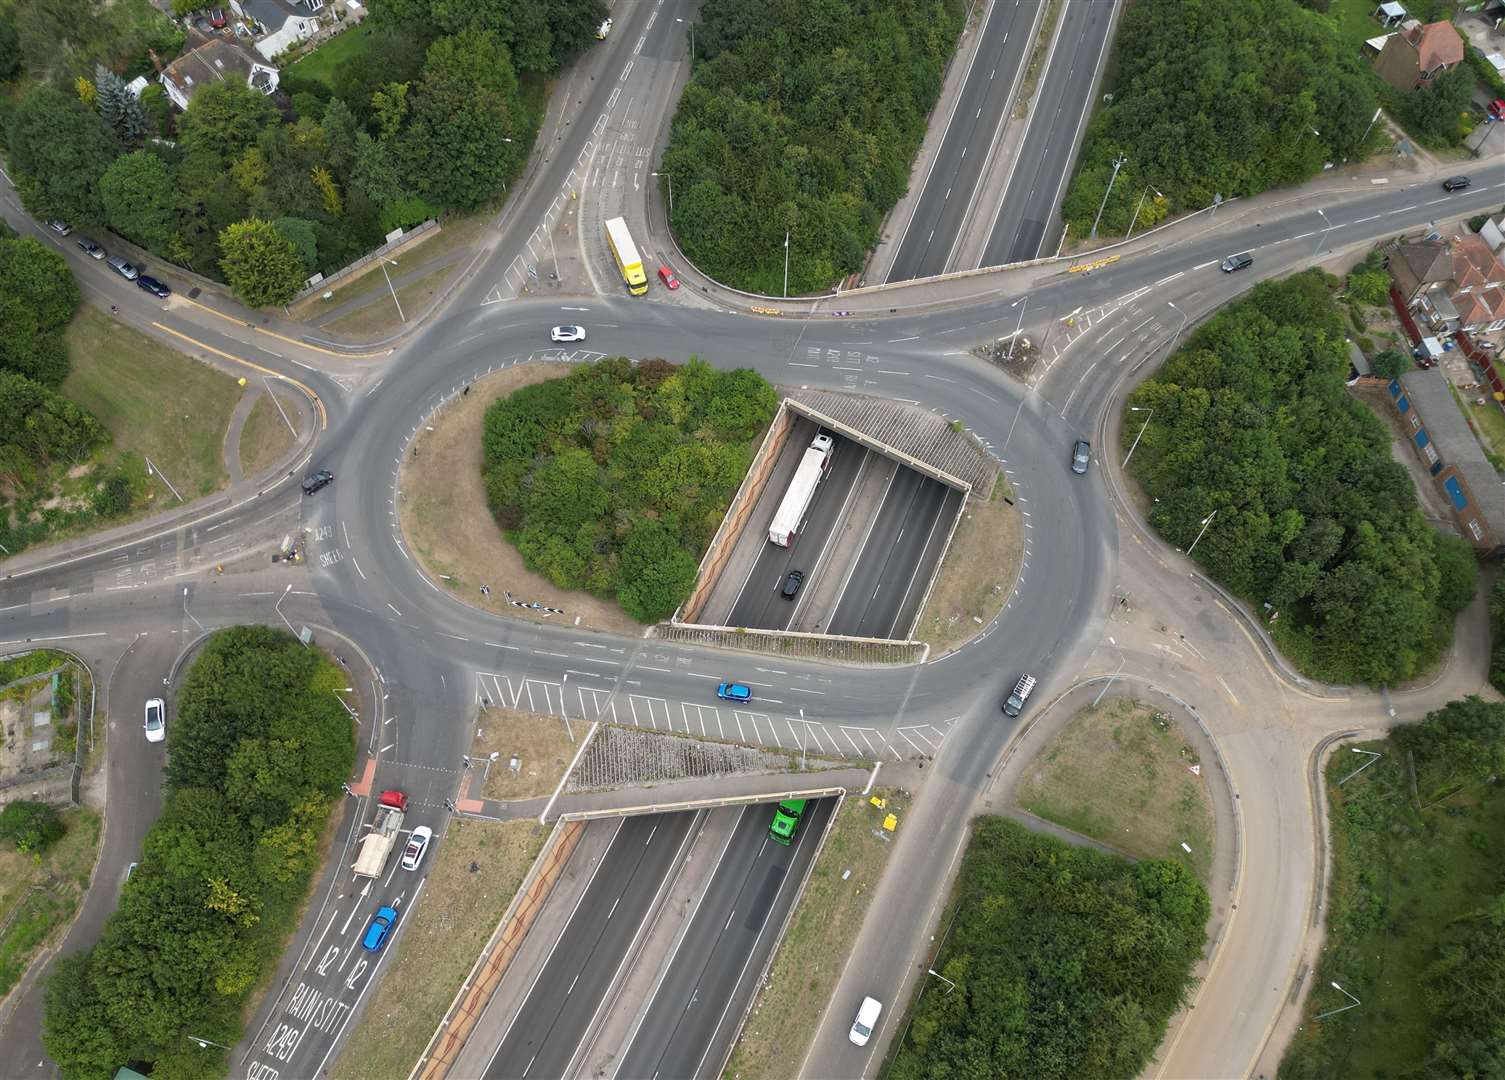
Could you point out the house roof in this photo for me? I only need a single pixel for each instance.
(1427, 260)
(1393, 10)
(214, 60)
(1486, 306)
(1437, 45)
(1474, 250)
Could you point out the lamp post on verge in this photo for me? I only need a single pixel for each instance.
(692, 40)
(670, 178)
(1135, 219)
(786, 264)
(1205, 522)
(277, 607)
(1354, 1003)
(1323, 234)
(950, 986)
(1137, 408)
(1019, 328)
(1122, 660)
(1118, 163)
(1176, 336)
(205, 1044)
(388, 276)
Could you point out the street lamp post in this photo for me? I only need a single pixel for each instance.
(204, 1044)
(1137, 408)
(1118, 163)
(950, 986)
(396, 301)
(1176, 336)
(692, 40)
(277, 607)
(802, 738)
(670, 178)
(1354, 1003)
(786, 264)
(1135, 219)
(1205, 522)
(1323, 234)
(1023, 301)
(1122, 660)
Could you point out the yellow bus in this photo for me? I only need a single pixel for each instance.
(629, 262)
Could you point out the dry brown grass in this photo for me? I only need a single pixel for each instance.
(1120, 773)
(442, 507)
(978, 575)
(804, 973)
(437, 947)
(266, 437)
(543, 749)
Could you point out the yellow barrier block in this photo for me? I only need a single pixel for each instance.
(879, 803)
(890, 823)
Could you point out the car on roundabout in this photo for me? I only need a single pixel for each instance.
(1081, 455)
(733, 691)
(564, 334)
(314, 482)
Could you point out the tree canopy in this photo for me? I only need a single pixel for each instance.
(1217, 97)
(615, 478)
(260, 262)
(1067, 963)
(1252, 427)
(801, 118)
(257, 752)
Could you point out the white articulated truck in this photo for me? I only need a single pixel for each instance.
(377, 844)
(791, 512)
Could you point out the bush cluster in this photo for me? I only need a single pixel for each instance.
(1313, 517)
(1068, 963)
(615, 478)
(257, 750)
(805, 119)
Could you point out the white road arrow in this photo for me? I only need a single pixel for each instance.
(364, 893)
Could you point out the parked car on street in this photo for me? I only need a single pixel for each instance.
(62, 228)
(122, 267)
(666, 275)
(91, 248)
(153, 286)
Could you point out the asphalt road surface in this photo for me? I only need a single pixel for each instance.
(973, 127)
(698, 1004)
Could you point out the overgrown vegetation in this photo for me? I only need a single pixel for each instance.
(257, 751)
(423, 115)
(1497, 625)
(1416, 907)
(1254, 440)
(802, 119)
(40, 891)
(1217, 97)
(1068, 963)
(615, 478)
(31, 826)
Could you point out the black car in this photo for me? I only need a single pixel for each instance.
(313, 483)
(1242, 261)
(153, 286)
(1081, 454)
(792, 584)
(90, 247)
(1456, 183)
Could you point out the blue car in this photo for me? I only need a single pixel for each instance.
(381, 926)
(153, 286)
(733, 691)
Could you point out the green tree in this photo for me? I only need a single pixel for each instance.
(58, 148)
(1389, 363)
(158, 110)
(225, 120)
(300, 233)
(31, 826)
(656, 573)
(118, 107)
(78, 1034)
(260, 263)
(139, 202)
(10, 50)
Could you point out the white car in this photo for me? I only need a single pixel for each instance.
(156, 720)
(567, 333)
(867, 1019)
(603, 30)
(418, 843)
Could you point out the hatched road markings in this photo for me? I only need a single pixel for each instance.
(707, 721)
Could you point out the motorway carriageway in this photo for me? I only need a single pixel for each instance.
(686, 1024)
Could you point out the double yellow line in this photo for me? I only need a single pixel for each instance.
(312, 396)
(281, 337)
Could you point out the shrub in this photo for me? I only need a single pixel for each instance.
(31, 826)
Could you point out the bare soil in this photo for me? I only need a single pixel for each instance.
(978, 575)
(445, 520)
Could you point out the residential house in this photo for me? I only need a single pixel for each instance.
(1493, 234)
(216, 59)
(1417, 54)
(285, 22)
(1452, 284)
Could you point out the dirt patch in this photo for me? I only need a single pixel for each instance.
(978, 575)
(1121, 773)
(266, 435)
(541, 745)
(442, 508)
(471, 881)
(783, 1020)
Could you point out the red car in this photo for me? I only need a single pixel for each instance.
(1497, 108)
(666, 275)
(217, 18)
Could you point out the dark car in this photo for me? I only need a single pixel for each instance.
(1456, 183)
(1081, 454)
(90, 247)
(792, 584)
(1241, 261)
(153, 286)
(319, 479)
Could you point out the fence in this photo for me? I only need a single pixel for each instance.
(369, 261)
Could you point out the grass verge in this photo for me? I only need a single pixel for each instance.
(978, 575)
(542, 747)
(1119, 773)
(154, 400)
(381, 316)
(266, 435)
(804, 973)
(471, 880)
(1487, 422)
(38, 897)
(1407, 879)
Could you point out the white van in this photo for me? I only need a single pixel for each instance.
(867, 1019)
